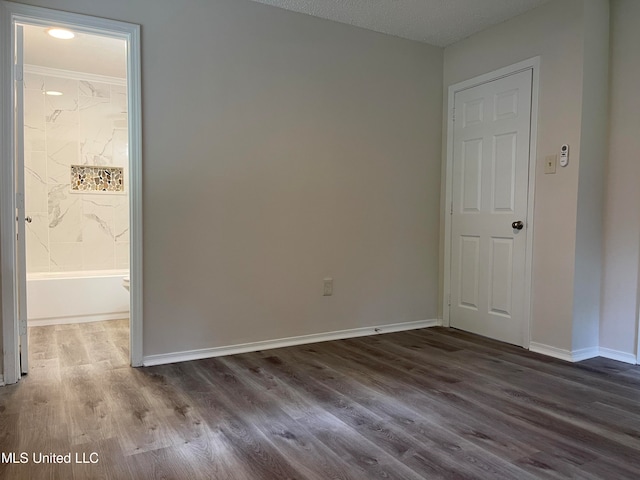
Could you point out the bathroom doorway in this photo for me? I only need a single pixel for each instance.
(76, 194)
(76, 199)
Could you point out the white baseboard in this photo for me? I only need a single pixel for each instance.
(175, 357)
(618, 355)
(582, 354)
(551, 351)
(562, 354)
(585, 354)
(43, 322)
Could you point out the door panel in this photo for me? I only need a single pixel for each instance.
(500, 265)
(504, 167)
(490, 182)
(471, 176)
(469, 269)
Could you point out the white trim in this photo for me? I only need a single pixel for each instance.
(186, 356)
(618, 355)
(638, 342)
(99, 317)
(550, 351)
(134, 107)
(637, 332)
(10, 360)
(529, 64)
(533, 156)
(583, 353)
(562, 354)
(73, 75)
(11, 13)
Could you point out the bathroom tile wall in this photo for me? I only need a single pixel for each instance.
(86, 125)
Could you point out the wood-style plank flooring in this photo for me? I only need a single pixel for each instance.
(426, 404)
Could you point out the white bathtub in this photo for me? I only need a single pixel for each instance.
(76, 297)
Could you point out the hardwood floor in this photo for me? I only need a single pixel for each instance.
(426, 404)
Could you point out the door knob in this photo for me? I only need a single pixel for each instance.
(28, 219)
(517, 225)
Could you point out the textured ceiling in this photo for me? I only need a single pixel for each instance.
(84, 53)
(438, 22)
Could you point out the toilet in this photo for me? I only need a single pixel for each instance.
(125, 282)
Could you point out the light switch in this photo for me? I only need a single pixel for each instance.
(550, 163)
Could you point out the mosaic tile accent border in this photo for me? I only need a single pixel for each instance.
(90, 178)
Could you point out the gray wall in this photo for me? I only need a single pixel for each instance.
(280, 149)
(593, 156)
(622, 194)
(554, 32)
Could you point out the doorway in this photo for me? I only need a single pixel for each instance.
(490, 198)
(88, 167)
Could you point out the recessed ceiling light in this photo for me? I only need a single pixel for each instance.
(53, 93)
(60, 33)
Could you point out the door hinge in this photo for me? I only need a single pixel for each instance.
(22, 327)
(19, 73)
(449, 300)
(453, 115)
(451, 209)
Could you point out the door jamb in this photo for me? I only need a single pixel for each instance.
(637, 332)
(529, 64)
(11, 13)
(637, 338)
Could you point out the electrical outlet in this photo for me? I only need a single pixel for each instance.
(550, 163)
(328, 287)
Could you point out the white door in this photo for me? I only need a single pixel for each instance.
(21, 271)
(492, 124)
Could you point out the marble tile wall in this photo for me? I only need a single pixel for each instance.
(86, 125)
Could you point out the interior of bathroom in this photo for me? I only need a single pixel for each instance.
(76, 190)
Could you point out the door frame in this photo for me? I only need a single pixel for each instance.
(637, 352)
(11, 13)
(532, 64)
